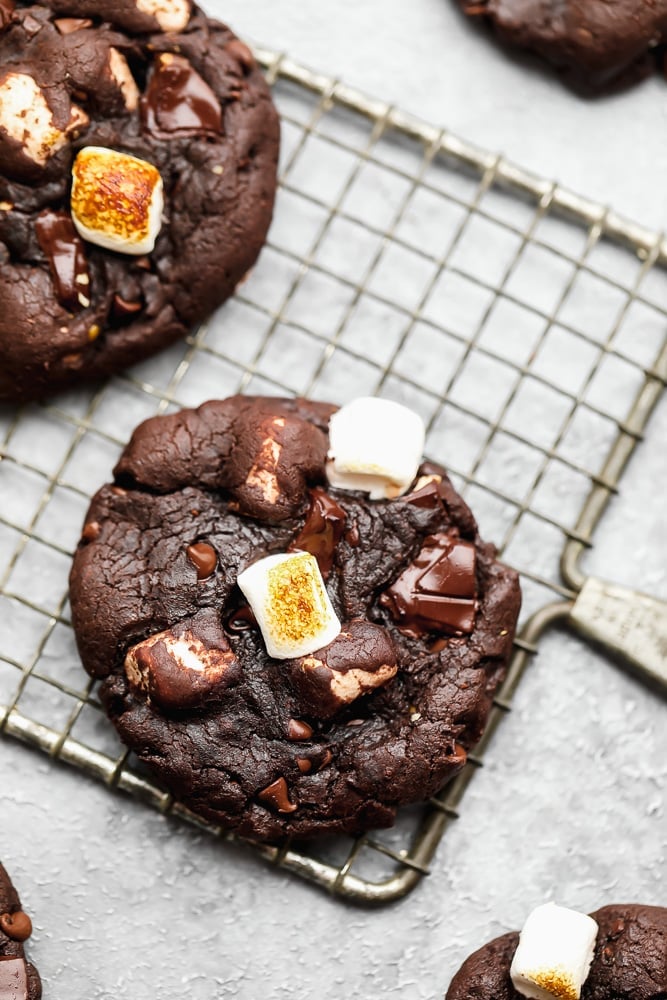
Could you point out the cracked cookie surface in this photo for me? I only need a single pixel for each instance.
(193, 103)
(331, 742)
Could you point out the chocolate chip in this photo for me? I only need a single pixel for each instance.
(276, 795)
(304, 764)
(17, 926)
(297, 730)
(121, 309)
(204, 558)
(91, 531)
(68, 25)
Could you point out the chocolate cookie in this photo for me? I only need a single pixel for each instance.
(138, 151)
(19, 980)
(629, 960)
(390, 621)
(595, 43)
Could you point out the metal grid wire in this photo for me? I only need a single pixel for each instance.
(525, 324)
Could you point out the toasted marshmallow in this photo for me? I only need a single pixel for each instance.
(375, 446)
(171, 15)
(554, 954)
(122, 74)
(291, 604)
(117, 200)
(27, 118)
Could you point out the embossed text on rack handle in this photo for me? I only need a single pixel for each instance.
(627, 623)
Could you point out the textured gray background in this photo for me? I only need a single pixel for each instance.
(571, 803)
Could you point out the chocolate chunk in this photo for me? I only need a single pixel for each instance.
(304, 764)
(66, 255)
(323, 529)
(91, 531)
(276, 795)
(361, 659)
(437, 591)
(123, 310)
(13, 978)
(204, 558)
(242, 619)
(179, 100)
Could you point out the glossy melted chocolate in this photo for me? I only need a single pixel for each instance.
(66, 254)
(322, 531)
(179, 100)
(437, 591)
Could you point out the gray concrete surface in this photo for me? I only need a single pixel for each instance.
(571, 804)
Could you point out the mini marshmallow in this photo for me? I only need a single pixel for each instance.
(117, 200)
(554, 954)
(291, 604)
(171, 15)
(375, 446)
(27, 118)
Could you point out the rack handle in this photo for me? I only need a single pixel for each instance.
(628, 624)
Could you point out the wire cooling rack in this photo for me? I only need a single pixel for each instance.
(525, 324)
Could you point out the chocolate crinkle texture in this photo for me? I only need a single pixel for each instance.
(595, 44)
(630, 960)
(331, 742)
(155, 80)
(18, 978)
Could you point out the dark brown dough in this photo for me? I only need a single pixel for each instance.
(597, 44)
(256, 754)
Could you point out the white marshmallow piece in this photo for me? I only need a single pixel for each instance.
(27, 118)
(122, 74)
(554, 954)
(171, 15)
(375, 445)
(291, 604)
(117, 200)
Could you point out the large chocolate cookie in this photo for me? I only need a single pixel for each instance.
(595, 43)
(329, 742)
(19, 980)
(171, 89)
(629, 962)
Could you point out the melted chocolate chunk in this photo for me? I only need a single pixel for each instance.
(242, 619)
(437, 591)
(322, 531)
(179, 100)
(66, 254)
(204, 558)
(276, 795)
(13, 978)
